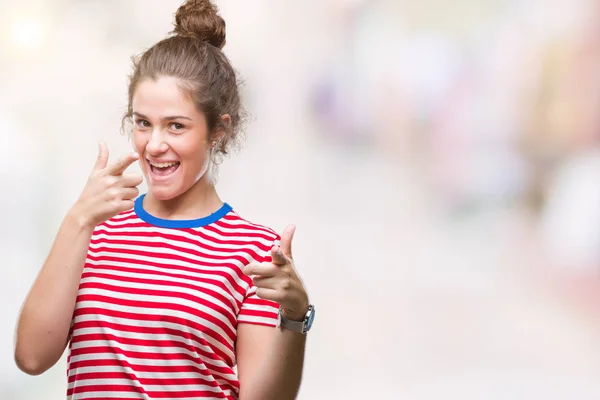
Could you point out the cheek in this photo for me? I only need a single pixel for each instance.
(191, 149)
(138, 142)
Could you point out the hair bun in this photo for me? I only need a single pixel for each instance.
(200, 19)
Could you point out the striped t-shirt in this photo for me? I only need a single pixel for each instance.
(159, 303)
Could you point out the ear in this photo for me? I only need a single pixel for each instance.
(220, 132)
(226, 118)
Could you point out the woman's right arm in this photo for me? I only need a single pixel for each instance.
(45, 319)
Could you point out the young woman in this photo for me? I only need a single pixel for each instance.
(170, 294)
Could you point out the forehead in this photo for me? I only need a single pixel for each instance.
(162, 97)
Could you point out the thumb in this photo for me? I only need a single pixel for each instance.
(277, 256)
(286, 240)
(102, 159)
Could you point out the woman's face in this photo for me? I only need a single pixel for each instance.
(171, 136)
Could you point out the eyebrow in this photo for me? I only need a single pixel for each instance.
(169, 118)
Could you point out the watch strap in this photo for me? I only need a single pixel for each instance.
(294, 326)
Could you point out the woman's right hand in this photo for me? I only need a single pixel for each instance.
(108, 190)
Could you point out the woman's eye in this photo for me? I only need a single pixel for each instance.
(142, 123)
(177, 126)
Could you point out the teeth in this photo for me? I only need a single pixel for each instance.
(163, 165)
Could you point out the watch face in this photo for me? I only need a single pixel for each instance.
(311, 318)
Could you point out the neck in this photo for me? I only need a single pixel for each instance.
(198, 201)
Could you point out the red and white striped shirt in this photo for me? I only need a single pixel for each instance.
(159, 303)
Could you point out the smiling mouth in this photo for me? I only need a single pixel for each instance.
(163, 169)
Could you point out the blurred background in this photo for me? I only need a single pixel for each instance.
(440, 159)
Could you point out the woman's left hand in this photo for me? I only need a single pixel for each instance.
(279, 281)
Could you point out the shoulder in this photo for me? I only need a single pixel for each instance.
(247, 236)
(124, 219)
(234, 222)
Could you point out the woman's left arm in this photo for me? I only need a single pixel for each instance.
(270, 360)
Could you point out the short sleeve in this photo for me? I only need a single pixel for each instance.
(255, 310)
(258, 311)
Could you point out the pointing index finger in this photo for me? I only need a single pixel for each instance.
(120, 166)
(263, 269)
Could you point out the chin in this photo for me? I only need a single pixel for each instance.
(163, 193)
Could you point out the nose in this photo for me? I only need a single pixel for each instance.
(156, 144)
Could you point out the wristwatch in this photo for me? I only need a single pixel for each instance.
(297, 326)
